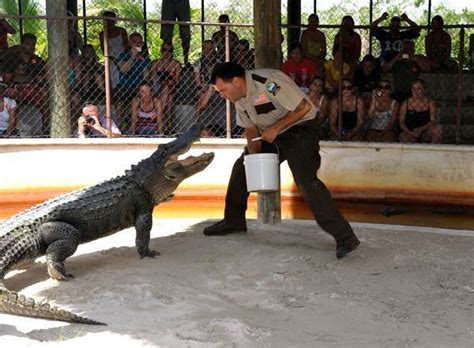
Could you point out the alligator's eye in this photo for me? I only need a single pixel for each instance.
(173, 171)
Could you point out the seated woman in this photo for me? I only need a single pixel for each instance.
(147, 113)
(314, 41)
(382, 114)
(418, 117)
(350, 42)
(7, 114)
(333, 73)
(438, 47)
(301, 70)
(165, 73)
(367, 77)
(353, 115)
(321, 102)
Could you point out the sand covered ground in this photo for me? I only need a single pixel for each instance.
(276, 286)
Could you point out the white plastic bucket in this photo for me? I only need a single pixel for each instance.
(262, 172)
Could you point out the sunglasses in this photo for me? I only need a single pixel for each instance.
(385, 87)
(347, 87)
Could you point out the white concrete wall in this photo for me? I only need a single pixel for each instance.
(351, 170)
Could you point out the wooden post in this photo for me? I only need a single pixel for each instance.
(267, 33)
(57, 69)
(268, 55)
(294, 19)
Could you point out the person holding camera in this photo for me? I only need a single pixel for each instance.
(132, 65)
(382, 114)
(93, 125)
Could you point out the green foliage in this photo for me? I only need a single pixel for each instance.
(34, 26)
(240, 12)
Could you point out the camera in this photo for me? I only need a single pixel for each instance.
(379, 93)
(138, 49)
(405, 56)
(90, 120)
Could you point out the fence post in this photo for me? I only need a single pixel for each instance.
(57, 69)
(108, 86)
(460, 86)
(227, 102)
(268, 55)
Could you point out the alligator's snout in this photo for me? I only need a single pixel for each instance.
(190, 160)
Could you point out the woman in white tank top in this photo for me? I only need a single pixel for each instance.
(382, 115)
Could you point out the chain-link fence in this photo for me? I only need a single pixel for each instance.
(155, 90)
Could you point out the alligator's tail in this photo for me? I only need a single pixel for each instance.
(13, 303)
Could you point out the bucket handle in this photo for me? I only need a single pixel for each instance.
(278, 150)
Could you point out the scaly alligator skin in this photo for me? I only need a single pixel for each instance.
(56, 227)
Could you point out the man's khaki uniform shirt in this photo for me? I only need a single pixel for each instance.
(271, 94)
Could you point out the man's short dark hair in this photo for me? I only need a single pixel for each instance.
(28, 37)
(369, 58)
(224, 18)
(109, 13)
(135, 34)
(226, 71)
(245, 43)
(295, 45)
(396, 19)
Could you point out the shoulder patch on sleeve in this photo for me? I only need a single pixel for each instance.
(272, 88)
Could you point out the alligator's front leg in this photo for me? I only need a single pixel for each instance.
(62, 240)
(143, 224)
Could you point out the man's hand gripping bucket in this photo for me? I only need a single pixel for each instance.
(262, 171)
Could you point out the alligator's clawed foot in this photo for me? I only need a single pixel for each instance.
(56, 270)
(150, 253)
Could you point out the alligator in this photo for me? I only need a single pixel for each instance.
(57, 226)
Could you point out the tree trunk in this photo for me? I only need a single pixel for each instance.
(268, 36)
(58, 69)
(267, 19)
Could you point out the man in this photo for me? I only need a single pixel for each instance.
(218, 38)
(271, 106)
(176, 10)
(132, 65)
(391, 41)
(405, 68)
(28, 67)
(28, 76)
(91, 125)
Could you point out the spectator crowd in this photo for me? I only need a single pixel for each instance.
(161, 97)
